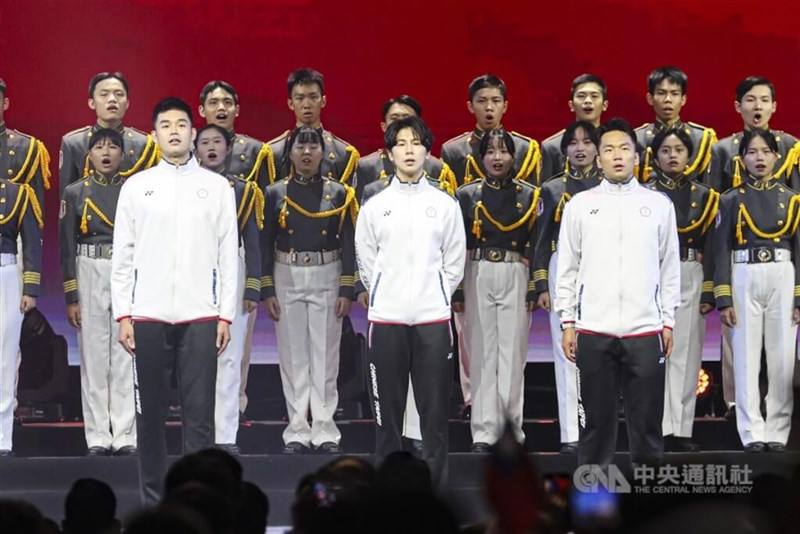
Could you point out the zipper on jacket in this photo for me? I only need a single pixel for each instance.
(655, 298)
(374, 291)
(133, 290)
(444, 293)
(580, 300)
(214, 285)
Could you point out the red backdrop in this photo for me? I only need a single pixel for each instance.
(370, 51)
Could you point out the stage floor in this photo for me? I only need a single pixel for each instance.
(50, 457)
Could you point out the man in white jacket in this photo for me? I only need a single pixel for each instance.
(618, 286)
(411, 249)
(173, 287)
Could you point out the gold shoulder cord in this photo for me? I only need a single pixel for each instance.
(25, 196)
(707, 218)
(562, 202)
(348, 202)
(40, 161)
(87, 205)
(447, 179)
(351, 164)
(264, 153)
(792, 221)
(480, 208)
(703, 158)
(256, 201)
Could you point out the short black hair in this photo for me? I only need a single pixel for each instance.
(680, 133)
(170, 103)
(305, 76)
(404, 100)
(569, 134)
(3, 87)
(588, 78)
(301, 134)
(616, 124)
(107, 133)
(749, 135)
(421, 131)
(497, 133)
(486, 80)
(225, 133)
(668, 73)
(218, 84)
(90, 507)
(100, 76)
(750, 82)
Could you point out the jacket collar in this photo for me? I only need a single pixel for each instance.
(190, 166)
(620, 189)
(411, 187)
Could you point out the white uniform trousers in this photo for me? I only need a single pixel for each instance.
(248, 349)
(763, 299)
(107, 395)
(565, 370)
(229, 370)
(726, 361)
(495, 309)
(308, 336)
(10, 331)
(683, 366)
(411, 426)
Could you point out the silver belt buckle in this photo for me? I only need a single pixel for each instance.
(495, 255)
(764, 255)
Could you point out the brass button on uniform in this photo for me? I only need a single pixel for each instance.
(242, 157)
(694, 204)
(11, 152)
(513, 243)
(290, 231)
(10, 172)
(324, 232)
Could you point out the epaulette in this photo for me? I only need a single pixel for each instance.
(643, 126)
(522, 136)
(77, 131)
(371, 155)
(555, 135)
(524, 184)
(244, 138)
(333, 137)
(129, 129)
(281, 137)
(457, 138)
(697, 126)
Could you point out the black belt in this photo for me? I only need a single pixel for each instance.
(495, 255)
(762, 255)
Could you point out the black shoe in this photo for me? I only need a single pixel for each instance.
(414, 446)
(329, 447)
(570, 447)
(756, 446)
(680, 444)
(730, 415)
(127, 450)
(98, 451)
(480, 447)
(774, 446)
(294, 447)
(230, 448)
(5, 453)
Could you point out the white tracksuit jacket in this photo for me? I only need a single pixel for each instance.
(175, 246)
(411, 250)
(618, 261)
